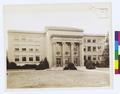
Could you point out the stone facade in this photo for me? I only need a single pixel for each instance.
(60, 45)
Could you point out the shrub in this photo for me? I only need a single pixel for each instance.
(102, 65)
(90, 64)
(27, 66)
(43, 65)
(46, 63)
(12, 65)
(70, 66)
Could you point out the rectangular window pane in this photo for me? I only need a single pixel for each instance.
(16, 49)
(84, 49)
(94, 48)
(16, 59)
(89, 48)
(30, 58)
(23, 58)
(89, 57)
(94, 41)
(23, 49)
(88, 40)
(31, 49)
(84, 57)
(94, 57)
(37, 58)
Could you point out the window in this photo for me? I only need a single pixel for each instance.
(99, 47)
(66, 53)
(36, 49)
(88, 40)
(58, 53)
(94, 57)
(23, 49)
(16, 49)
(31, 49)
(75, 53)
(30, 58)
(84, 57)
(76, 61)
(84, 49)
(94, 41)
(23, 58)
(94, 48)
(16, 58)
(89, 48)
(58, 62)
(75, 48)
(89, 57)
(37, 58)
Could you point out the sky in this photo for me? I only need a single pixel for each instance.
(92, 18)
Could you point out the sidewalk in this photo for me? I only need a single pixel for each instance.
(102, 70)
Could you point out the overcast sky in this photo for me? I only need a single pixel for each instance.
(92, 18)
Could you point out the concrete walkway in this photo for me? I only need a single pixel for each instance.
(102, 70)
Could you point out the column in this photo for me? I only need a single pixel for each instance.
(81, 53)
(72, 52)
(54, 53)
(63, 51)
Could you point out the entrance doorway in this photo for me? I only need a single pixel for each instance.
(58, 62)
(67, 60)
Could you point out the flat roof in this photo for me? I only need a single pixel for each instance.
(61, 28)
(94, 35)
(24, 31)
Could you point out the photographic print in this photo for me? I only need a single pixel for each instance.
(57, 45)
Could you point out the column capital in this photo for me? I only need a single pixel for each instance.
(72, 43)
(80, 42)
(54, 42)
(63, 43)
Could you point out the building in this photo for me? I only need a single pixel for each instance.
(60, 45)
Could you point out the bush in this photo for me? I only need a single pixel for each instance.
(46, 63)
(11, 65)
(90, 64)
(27, 66)
(70, 66)
(43, 65)
(102, 65)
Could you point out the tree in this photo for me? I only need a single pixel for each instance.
(7, 61)
(43, 65)
(69, 66)
(12, 65)
(46, 63)
(90, 64)
(105, 56)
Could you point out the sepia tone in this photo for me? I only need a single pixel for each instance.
(58, 45)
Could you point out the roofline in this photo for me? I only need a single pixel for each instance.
(60, 28)
(36, 32)
(23, 31)
(96, 35)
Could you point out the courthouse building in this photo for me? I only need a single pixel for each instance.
(60, 45)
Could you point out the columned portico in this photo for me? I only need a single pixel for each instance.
(66, 52)
(64, 46)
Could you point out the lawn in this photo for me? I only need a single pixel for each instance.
(58, 78)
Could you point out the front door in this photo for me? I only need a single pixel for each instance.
(67, 60)
(58, 62)
(76, 61)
